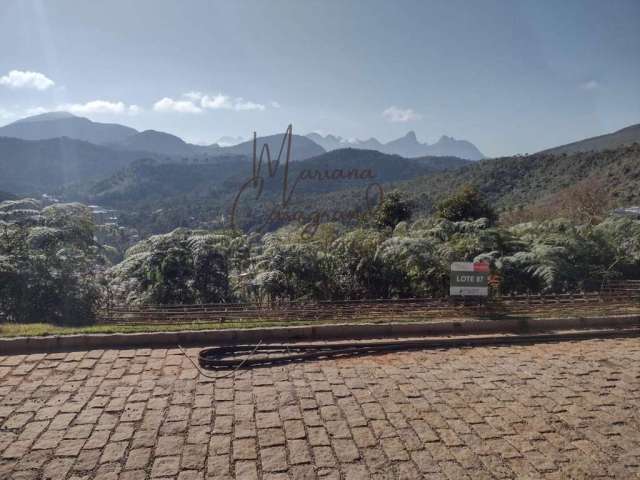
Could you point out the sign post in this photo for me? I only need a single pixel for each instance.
(469, 279)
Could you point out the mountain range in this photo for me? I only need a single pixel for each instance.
(156, 197)
(62, 124)
(407, 146)
(44, 153)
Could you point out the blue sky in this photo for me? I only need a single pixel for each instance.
(510, 76)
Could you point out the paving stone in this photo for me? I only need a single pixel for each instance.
(69, 448)
(546, 411)
(138, 458)
(33, 460)
(244, 449)
(113, 452)
(165, 466)
(298, 452)
(194, 456)
(268, 420)
(190, 475)
(57, 468)
(323, 457)
(271, 436)
(294, 429)
(303, 472)
(346, 450)
(246, 470)
(274, 459)
(318, 436)
(169, 445)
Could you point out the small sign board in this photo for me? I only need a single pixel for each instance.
(469, 279)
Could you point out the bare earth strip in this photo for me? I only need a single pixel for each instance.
(564, 410)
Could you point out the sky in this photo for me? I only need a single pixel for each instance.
(510, 76)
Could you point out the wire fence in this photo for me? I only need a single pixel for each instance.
(615, 297)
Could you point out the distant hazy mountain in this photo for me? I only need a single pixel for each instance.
(166, 144)
(407, 146)
(333, 142)
(62, 124)
(449, 146)
(157, 142)
(39, 166)
(626, 136)
(301, 147)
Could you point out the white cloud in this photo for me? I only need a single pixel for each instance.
(198, 101)
(275, 104)
(36, 111)
(100, 107)
(26, 79)
(241, 104)
(590, 85)
(167, 104)
(6, 114)
(216, 102)
(399, 115)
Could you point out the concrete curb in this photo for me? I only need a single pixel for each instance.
(26, 345)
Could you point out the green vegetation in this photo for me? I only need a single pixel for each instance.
(52, 270)
(154, 197)
(393, 210)
(610, 141)
(543, 222)
(48, 262)
(466, 204)
(512, 183)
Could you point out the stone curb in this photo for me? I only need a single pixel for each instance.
(27, 345)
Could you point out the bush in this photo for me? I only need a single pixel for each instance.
(466, 204)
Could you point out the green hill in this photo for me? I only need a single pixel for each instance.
(521, 180)
(147, 180)
(620, 138)
(41, 166)
(152, 194)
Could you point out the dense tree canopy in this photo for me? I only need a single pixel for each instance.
(466, 204)
(48, 262)
(393, 210)
(53, 269)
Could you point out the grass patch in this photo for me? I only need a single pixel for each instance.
(42, 329)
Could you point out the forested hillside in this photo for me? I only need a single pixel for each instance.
(510, 182)
(156, 197)
(520, 187)
(620, 138)
(41, 166)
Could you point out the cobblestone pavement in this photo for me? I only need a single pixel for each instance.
(552, 411)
